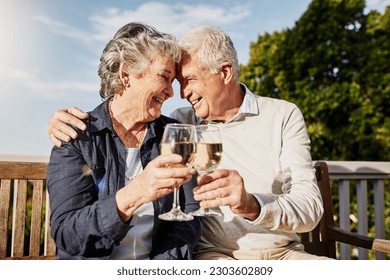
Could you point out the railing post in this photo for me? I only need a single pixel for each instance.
(379, 206)
(344, 202)
(361, 199)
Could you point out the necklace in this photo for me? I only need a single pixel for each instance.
(137, 171)
(129, 138)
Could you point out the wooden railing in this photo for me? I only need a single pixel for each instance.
(369, 184)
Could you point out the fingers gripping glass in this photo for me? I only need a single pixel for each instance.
(178, 139)
(207, 158)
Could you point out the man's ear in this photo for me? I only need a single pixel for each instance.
(227, 72)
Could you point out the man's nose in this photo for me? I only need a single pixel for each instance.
(184, 92)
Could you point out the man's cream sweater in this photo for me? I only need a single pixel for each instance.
(267, 143)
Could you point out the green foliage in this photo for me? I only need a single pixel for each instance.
(334, 64)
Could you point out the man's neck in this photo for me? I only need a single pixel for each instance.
(236, 97)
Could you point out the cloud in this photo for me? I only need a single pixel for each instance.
(42, 88)
(63, 29)
(172, 18)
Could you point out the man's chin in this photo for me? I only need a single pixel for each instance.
(200, 114)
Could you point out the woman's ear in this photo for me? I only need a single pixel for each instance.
(124, 76)
(227, 72)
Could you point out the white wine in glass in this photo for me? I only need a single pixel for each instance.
(208, 157)
(178, 139)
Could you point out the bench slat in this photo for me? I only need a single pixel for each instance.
(50, 248)
(23, 170)
(36, 218)
(19, 219)
(5, 197)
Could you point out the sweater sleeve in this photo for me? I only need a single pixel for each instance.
(296, 206)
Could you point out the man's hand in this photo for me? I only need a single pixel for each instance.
(226, 188)
(59, 125)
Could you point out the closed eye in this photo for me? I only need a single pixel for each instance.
(164, 77)
(167, 78)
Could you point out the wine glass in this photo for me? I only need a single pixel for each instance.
(178, 139)
(207, 158)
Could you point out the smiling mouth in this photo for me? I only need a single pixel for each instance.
(194, 102)
(159, 100)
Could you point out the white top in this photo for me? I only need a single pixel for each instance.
(138, 242)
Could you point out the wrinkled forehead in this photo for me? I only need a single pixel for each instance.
(189, 65)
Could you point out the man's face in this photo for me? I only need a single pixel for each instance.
(201, 88)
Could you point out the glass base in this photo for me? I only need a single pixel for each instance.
(202, 212)
(176, 215)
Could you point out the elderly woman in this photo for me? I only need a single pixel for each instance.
(108, 186)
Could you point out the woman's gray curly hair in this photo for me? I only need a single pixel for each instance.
(134, 46)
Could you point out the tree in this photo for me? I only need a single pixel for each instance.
(334, 64)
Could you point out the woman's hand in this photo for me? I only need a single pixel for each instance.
(159, 178)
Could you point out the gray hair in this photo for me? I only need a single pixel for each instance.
(134, 46)
(212, 47)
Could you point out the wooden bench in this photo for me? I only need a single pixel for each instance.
(24, 212)
(23, 191)
(322, 240)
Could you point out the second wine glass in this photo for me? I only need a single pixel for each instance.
(178, 139)
(207, 158)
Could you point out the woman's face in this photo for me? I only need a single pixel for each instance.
(150, 89)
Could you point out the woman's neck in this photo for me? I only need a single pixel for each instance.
(129, 130)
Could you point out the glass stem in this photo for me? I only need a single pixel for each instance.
(176, 203)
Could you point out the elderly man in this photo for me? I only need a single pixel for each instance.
(265, 186)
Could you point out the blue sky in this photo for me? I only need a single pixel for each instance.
(49, 51)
